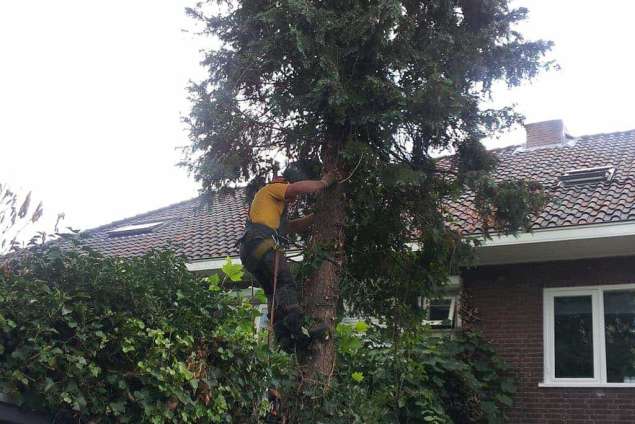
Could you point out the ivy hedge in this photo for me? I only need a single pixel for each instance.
(93, 339)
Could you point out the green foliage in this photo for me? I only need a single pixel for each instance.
(450, 379)
(143, 340)
(233, 271)
(129, 340)
(382, 86)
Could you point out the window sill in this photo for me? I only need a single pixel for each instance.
(591, 385)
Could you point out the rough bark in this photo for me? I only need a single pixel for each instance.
(321, 291)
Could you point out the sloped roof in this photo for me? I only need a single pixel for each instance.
(193, 228)
(202, 232)
(582, 204)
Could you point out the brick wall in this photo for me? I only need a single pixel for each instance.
(545, 133)
(507, 302)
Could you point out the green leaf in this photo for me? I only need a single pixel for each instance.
(49, 384)
(357, 376)
(233, 271)
(18, 375)
(94, 370)
(260, 296)
(213, 282)
(361, 327)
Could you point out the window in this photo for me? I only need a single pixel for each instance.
(129, 230)
(440, 312)
(589, 336)
(587, 175)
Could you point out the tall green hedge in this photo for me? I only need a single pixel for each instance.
(135, 340)
(92, 339)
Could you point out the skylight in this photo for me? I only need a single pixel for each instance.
(134, 229)
(587, 175)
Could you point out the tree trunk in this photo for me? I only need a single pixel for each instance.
(321, 290)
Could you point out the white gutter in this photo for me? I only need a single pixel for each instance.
(579, 232)
(212, 264)
(564, 243)
(539, 237)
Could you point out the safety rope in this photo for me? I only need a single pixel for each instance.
(276, 260)
(359, 162)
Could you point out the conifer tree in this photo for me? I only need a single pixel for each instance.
(371, 89)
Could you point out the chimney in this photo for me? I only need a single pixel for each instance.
(545, 133)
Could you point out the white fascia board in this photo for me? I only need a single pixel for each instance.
(579, 232)
(217, 263)
(210, 264)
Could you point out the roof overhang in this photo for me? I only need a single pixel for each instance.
(213, 264)
(210, 264)
(563, 243)
(553, 244)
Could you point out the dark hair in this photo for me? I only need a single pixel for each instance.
(303, 169)
(293, 174)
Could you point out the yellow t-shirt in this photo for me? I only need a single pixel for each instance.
(268, 205)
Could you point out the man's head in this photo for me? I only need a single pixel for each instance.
(293, 174)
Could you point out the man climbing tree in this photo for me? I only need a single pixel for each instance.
(261, 251)
(375, 86)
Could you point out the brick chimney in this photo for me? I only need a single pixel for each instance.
(545, 133)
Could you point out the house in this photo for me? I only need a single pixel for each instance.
(557, 303)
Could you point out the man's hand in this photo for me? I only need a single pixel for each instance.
(329, 179)
(300, 225)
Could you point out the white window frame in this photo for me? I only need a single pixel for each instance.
(599, 345)
(451, 317)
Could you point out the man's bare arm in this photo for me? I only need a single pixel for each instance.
(300, 225)
(309, 186)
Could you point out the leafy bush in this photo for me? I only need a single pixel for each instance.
(135, 340)
(418, 378)
(94, 339)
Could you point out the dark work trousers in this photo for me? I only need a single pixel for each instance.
(288, 317)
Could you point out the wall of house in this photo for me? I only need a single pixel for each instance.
(505, 303)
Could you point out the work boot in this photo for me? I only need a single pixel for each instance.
(317, 331)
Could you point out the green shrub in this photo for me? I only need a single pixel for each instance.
(94, 339)
(135, 340)
(418, 378)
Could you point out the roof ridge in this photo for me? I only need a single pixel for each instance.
(605, 133)
(509, 146)
(141, 215)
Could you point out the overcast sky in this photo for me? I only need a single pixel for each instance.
(92, 92)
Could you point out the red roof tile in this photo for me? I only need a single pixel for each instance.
(191, 228)
(576, 204)
(200, 232)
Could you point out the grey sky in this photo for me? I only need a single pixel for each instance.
(91, 94)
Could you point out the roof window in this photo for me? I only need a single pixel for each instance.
(587, 175)
(134, 229)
